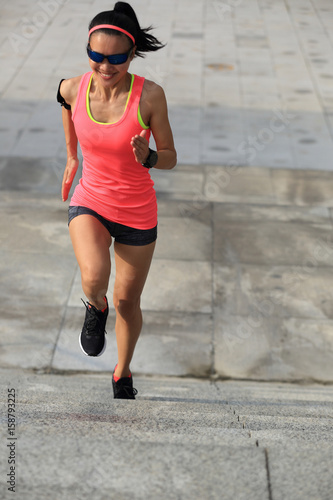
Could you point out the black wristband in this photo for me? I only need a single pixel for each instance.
(151, 159)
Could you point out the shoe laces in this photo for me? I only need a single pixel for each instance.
(129, 391)
(93, 321)
(123, 387)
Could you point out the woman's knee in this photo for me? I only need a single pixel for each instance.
(127, 308)
(94, 279)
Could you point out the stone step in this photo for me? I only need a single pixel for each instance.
(181, 438)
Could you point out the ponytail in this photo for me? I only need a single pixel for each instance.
(124, 17)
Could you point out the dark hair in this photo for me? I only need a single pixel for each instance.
(124, 17)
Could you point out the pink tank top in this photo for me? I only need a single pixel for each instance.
(113, 184)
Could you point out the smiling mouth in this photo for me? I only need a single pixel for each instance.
(106, 76)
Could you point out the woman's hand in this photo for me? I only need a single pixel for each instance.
(69, 174)
(140, 147)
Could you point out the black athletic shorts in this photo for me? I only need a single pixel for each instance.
(122, 234)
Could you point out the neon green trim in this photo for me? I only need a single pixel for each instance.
(130, 91)
(88, 105)
(142, 123)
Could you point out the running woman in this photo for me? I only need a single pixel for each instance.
(111, 113)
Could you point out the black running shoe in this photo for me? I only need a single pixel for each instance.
(92, 337)
(123, 389)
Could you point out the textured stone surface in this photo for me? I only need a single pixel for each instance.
(181, 438)
(236, 289)
(257, 97)
(240, 284)
(240, 281)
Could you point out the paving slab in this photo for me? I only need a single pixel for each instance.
(298, 478)
(282, 291)
(184, 236)
(191, 475)
(182, 276)
(302, 188)
(235, 182)
(182, 438)
(289, 72)
(48, 235)
(262, 242)
(258, 346)
(315, 214)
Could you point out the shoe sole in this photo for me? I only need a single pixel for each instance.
(92, 356)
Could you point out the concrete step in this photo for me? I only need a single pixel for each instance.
(181, 438)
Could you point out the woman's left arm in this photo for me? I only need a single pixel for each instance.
(160, 127)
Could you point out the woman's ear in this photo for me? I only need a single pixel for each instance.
(133, 53)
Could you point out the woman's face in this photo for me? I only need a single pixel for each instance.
(109, 74)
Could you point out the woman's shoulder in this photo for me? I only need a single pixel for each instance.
(152, 91)
(69, 88)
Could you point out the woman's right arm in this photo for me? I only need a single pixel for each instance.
(68, 92)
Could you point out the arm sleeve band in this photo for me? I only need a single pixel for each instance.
(61, 99)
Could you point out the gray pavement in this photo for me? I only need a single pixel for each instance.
(240, 286)
(181, 439)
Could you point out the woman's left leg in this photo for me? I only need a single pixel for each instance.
(132, 266)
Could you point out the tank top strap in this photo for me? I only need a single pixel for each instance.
(82, 92)
(137, 91)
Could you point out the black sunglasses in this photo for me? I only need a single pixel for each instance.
(113, 59)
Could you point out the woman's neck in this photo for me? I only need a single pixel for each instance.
(112, 92)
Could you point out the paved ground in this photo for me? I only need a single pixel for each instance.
(240, 286)
(248, 82)
(181, 439)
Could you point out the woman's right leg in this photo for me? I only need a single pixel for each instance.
(91, 243)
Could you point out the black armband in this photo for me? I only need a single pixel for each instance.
(61, 99)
